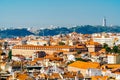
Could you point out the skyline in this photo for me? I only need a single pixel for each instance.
(43, 13)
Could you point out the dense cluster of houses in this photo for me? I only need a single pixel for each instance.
(70, 56)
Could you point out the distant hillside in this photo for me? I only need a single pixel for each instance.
(14, 33)
(55, 31)
(86, 29)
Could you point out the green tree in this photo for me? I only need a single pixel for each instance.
(61, 43)
(78, 52)
(10, 55)
(115, 49)
(108, 49)
(105, 45)
(84, 60)
(70, 62)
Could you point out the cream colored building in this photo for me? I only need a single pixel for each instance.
(103, 40)
(37, 42)
(93, 46)
(113, 59)
(28, 50)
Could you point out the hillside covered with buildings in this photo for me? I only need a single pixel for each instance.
(72, 56)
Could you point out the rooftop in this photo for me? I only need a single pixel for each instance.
(84, 65)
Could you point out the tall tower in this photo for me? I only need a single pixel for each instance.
(104, 22)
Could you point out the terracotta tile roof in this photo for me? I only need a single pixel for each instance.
(80, 46)
(38, 59)
(111, 66)
(1, 40)
(35, 61)
(22, 76)
(54, 76)
(91, 42)
(42, 75)
(35, 75)
(84, 65)
(99, 77)
(117, 73)
(32, 62)
(68, 75)
(94, 53)
(52, 58)
(116, 39)
(102, 50)
(79, 75)
(104, 70)
(34, 46)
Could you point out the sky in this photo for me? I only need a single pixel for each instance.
(43, 13)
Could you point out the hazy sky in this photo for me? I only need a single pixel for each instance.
(43, 13)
